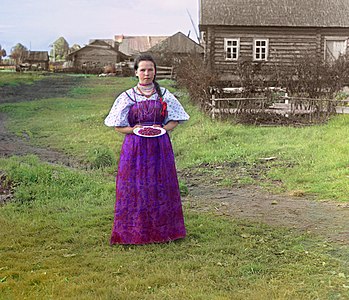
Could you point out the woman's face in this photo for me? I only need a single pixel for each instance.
(145, 72)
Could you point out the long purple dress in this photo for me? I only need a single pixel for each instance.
(148, 206)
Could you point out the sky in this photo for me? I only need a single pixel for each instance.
(36, 24)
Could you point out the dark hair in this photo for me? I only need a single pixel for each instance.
(148, 57)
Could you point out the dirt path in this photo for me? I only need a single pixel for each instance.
(48, 87)
(12, 145)
(327, 219)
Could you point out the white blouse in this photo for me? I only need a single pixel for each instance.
(118, 115)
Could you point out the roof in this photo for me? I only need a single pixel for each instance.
(295, 13)
(102, 45)
(177, 43)
(36, 56)
(132, 45)
(109, 42)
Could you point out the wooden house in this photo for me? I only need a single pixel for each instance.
(272, 31)
(174, 48)
(132, 46)
(97, 54)
(36, 60)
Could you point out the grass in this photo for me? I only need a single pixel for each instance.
(14, 78)
(54, 245)
(55, 234)
(310, 160)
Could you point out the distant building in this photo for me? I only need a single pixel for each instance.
(132, 46)
(97, 54)
(174, 48)
(36, 60)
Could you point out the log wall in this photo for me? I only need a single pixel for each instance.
(285, 44)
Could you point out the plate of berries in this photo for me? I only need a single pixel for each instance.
(149, 131)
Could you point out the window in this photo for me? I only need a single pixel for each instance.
(231, 49)
(260, 49)
(334, 47)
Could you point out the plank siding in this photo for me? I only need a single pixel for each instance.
(285, 44)
(95, 57)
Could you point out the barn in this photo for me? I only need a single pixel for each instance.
(271, 31)
(174, 48)
(132, 46)
(36, 60)
(97, 54)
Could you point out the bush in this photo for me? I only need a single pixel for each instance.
(102, 157)
(310, 76)
(194, 75)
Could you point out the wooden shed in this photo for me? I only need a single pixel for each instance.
(175, 47)
(36, 60)
(134, 45)
(97, 54)
(272, 31)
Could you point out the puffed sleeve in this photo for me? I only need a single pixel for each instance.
(118, 115)
(175, 110)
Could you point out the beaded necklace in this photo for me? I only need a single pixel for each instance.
(146, 110)
(146, 90)
(149, 87)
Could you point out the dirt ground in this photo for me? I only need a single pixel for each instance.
(327, 219)
(324, 218)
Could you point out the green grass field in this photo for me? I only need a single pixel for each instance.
(13, 78)
(55, 235)
(311, 160)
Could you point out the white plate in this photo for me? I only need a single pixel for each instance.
(137, 130)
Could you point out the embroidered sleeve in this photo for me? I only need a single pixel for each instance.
(175, 109)
(118, 115)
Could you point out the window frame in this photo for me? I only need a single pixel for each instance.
(255, 40)
(334, 38)
(226, 46)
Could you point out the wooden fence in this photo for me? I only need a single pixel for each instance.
(164, 73)
(276, 107)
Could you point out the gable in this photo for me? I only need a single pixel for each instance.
(295, 13)
(37, 56)
(95, 51)
(131, 45)
(99, 42)
(177, 43)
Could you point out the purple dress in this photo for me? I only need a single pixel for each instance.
(148, 206)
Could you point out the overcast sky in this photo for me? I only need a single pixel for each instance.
(38, 23)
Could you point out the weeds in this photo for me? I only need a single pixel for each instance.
(311, 84)
(102, 157)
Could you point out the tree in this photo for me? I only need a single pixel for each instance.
(2, 53)
(60, 49)
(18, 53)
(75, 47)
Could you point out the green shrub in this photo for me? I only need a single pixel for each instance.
(102, 157)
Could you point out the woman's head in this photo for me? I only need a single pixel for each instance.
(145, 68)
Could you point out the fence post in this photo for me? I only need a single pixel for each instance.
(286, 98)
(213, 103)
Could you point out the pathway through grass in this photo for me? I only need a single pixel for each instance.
(54, 236)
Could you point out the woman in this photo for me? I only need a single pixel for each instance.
(148, 207)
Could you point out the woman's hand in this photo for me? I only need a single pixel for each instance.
(127, 129)
(171, 125)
